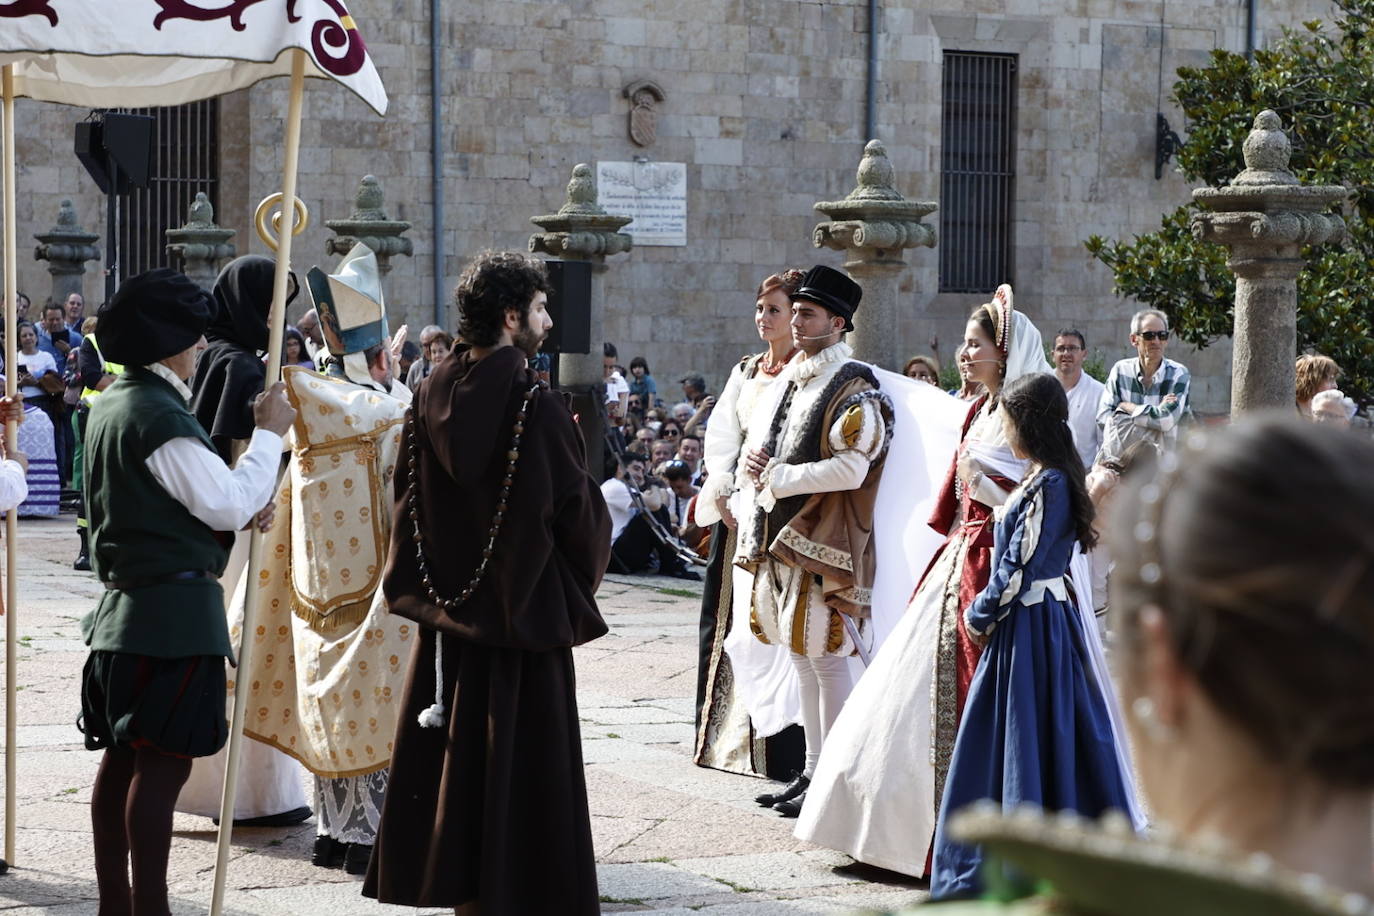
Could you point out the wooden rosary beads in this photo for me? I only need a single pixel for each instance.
(512, 460)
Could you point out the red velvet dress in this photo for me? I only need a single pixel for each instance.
(968, 528)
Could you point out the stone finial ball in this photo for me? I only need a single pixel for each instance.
(201, 211)
(370, 195)
(1267, 148)
(66, 213)
(875, 170)
(581, 190)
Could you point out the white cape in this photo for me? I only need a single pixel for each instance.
(924, 438)
(269, 781)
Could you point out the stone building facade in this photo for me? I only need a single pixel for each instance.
(764, 103)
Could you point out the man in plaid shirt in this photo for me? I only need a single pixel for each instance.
(1149, 389)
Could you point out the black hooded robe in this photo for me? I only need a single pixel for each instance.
(491, 808)
(231, 373)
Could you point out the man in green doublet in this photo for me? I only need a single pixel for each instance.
(161, 505)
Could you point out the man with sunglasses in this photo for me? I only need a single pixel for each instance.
(1148, 392)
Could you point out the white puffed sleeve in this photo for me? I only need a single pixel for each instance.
(857, 438)
(720, 451)
(14, 488)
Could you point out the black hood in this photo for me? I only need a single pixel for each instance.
(243, 298)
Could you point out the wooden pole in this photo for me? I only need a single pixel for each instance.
(11, 445)
(276, 323)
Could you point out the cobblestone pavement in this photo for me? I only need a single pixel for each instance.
(671, 838)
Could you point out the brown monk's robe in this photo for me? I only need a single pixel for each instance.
(491, 809)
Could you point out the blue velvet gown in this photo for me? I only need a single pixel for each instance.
(1036, 727)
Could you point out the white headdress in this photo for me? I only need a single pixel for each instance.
(1016, 337)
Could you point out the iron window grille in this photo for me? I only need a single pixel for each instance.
(185, 161)
(977, 171)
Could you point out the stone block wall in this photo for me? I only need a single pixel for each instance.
(765, 104)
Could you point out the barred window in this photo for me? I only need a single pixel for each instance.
(185, 160)
(977, 171)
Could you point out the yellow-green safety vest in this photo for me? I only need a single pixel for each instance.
(88, 394)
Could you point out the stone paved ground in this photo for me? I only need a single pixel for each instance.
(671, 838)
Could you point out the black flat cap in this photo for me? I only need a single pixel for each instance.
(152, 316)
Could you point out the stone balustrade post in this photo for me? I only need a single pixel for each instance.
(369, 224)
(201, 245)
(1265, 217)
(873, 225)
(67, 247)
(582, 231)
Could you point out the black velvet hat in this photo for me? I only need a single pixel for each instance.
(152, 316)
(829, 287)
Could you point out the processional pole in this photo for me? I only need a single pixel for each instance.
(291, 209)
(11, 446)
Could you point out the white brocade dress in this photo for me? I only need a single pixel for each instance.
(728, 737)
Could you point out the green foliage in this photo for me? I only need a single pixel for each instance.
(1096, 366)
(1321, 83)
(949, 378)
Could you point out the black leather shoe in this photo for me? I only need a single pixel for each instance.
(83, 556)
(794, 788)
(355, 860)
(283, 819)
(329, 852)
(792, 807)
(683, 572)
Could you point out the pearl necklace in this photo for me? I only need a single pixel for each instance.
(512, 459)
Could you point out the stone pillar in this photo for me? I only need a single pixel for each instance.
(368, 223)
(872, 226)
(582, 231)
(1264, 217)
(66, 247)
(201, 245)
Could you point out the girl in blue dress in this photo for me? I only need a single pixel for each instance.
(1036, 728)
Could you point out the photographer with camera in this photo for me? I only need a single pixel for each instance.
(637, 502)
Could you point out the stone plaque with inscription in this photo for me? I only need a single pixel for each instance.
(654, 193)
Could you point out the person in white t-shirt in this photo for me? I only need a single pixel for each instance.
(633, 541)
(617, 389)
(1082, 390)
(32, 363)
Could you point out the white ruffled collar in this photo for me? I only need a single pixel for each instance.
(808, 367)
(170, 377)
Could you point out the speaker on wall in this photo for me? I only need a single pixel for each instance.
(124, 140)
(570, 307)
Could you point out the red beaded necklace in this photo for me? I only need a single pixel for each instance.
(775, 368)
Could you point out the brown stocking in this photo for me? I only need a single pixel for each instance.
(108, 800)
(153, 793)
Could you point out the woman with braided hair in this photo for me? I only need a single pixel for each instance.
(1036, 726)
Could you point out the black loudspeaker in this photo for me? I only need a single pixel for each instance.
(121, 141)
(570, 307)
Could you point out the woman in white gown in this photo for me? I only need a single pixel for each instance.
(726, 736)
(877, 787)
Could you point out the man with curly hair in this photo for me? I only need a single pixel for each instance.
(500, 540)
